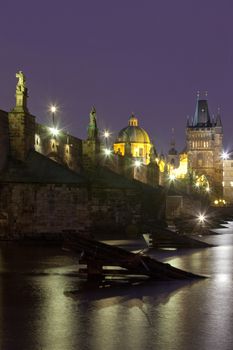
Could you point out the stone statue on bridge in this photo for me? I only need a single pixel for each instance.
(21, 93)
(92, 127)
(21, 84)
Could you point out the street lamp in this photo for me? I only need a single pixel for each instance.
(53, 110)
(107, 152)
(106, 134)
(225, 155)
(137, 163)
(172, 177)
(201, 218)
(54, 130)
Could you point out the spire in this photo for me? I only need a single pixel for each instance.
(218, 118)
(172, 150)
(201, 116)
(153, 154)
(173, 138)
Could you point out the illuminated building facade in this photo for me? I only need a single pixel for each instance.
(227, 179)
(177, 162)
(136, 155)
(134, 140)
(204, 138)
(201, 160)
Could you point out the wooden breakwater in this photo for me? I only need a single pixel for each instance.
(96, 256)
(165, 238)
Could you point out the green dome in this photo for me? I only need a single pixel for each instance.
(133, 133)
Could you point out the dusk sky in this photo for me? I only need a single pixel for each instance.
(148, 57)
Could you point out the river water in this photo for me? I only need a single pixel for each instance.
(37, 310)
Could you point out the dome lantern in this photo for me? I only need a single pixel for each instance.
(133, 121)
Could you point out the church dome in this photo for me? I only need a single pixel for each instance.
(133, 133)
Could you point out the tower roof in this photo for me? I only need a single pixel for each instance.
(202, 116)
(172, 150)
(218, 119)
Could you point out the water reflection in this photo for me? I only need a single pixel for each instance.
(40, 307)
(54, 313)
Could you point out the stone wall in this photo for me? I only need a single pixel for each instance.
(21, 132)
(4, 139)
(49, 210)
(41, 210)
(174, 207)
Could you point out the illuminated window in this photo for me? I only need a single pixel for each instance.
(223, 184)
(200, 160)
(231, 183)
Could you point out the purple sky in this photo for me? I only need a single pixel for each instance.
(149, 57)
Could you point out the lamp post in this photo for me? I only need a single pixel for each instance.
(201, 220)
(107, 151)
(106, 137)
(53, 110)
(54, 130)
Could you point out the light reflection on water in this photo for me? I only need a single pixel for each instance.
(37, 310)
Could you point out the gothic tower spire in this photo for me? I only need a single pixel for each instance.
(201, 116)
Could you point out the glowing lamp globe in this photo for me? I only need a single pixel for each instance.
(106, 134)
(53, 109)
(225, 155)
(107, 152)
(137, 163)
(54, 131)
(172, 177)
(201, 218)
